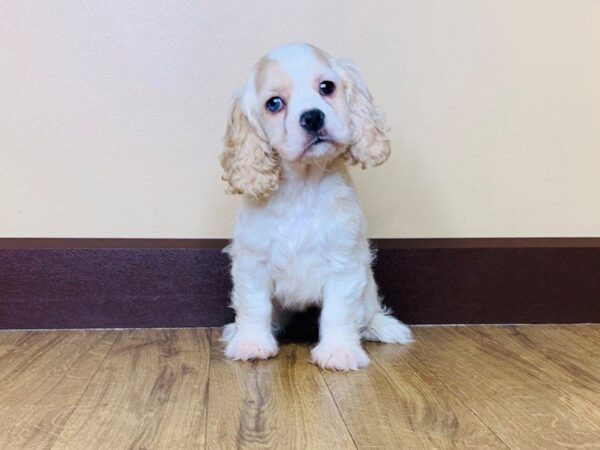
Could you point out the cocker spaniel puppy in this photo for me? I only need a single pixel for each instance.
(300, 238)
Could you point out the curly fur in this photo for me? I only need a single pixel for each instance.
(370, 146)
(251, 166)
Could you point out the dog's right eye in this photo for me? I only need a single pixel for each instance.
(274, 104)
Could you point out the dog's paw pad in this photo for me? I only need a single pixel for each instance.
(245, 348)
(341, 357)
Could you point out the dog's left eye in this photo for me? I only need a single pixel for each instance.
(326, 87)
(274, 104)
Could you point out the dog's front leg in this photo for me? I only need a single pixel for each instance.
(251, 336)
(339, 345)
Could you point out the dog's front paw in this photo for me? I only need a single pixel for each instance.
(247, 347)
(334, 356)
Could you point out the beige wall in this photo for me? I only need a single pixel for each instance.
(112, 112)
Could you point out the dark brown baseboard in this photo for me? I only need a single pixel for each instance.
(97, 283)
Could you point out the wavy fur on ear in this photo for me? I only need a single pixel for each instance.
(370, 146)
(251, 165)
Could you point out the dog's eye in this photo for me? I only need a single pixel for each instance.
(326, 88)
(274, 104)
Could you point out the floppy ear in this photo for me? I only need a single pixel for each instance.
(369, 146)
(251, 165)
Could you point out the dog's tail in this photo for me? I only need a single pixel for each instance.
(386, 328)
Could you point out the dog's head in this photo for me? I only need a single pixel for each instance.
(302, 106)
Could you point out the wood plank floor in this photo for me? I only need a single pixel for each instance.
(521, 387)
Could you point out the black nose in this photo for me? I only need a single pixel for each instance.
(312, 120)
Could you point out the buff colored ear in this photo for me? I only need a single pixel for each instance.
(250, 164)
(370, 146)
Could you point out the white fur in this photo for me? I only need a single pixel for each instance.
(306, 244)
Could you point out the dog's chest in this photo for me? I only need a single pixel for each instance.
(311, 239)
(299, 257)
(304, 236)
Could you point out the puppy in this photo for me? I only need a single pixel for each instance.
(300, 238)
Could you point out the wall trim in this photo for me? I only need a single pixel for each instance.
(119, 283)
(508, 242)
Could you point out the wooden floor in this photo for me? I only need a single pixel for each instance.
(526, 387)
